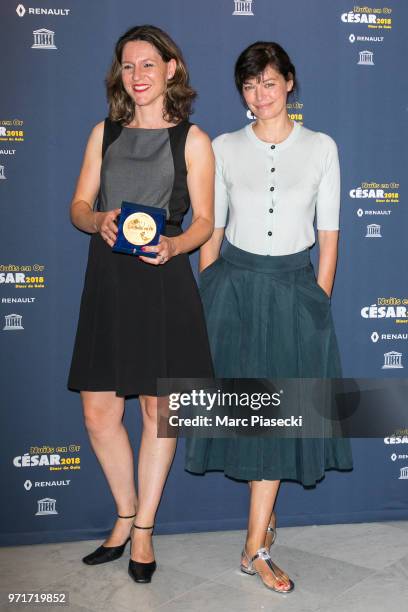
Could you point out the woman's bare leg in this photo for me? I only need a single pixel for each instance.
(272, 522)
(155, 458)
(103, 413)
(263, 496)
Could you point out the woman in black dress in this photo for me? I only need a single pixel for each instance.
(141, 318)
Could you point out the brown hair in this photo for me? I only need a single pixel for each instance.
(255, 58)
(179, 95)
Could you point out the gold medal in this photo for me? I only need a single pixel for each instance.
(139, 228)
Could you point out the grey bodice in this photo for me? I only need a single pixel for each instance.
(145, 166)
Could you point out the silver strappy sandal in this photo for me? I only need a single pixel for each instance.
(262, 553)
(271, 530)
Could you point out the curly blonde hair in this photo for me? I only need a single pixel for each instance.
(179, 95)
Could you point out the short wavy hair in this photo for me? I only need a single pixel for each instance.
(179, 95)
(255, 59)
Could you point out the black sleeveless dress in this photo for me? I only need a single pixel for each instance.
(139, 322)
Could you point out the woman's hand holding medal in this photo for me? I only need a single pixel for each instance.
(165, 250)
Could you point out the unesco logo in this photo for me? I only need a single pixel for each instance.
(373, 231)
(13, 322)
(365, 58)
(43, 39)
(243, 7)
(392, 360)
(46, 506)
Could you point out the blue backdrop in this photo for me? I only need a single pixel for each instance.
(351, 63)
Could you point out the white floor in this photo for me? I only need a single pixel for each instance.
(337, 568)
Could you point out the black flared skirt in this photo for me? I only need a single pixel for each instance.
(137, 323)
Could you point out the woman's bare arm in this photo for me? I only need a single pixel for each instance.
(328, 247)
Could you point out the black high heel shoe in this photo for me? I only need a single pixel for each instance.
(141, 572)
(104, 554)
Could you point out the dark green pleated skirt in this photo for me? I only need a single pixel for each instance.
(268, 318)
